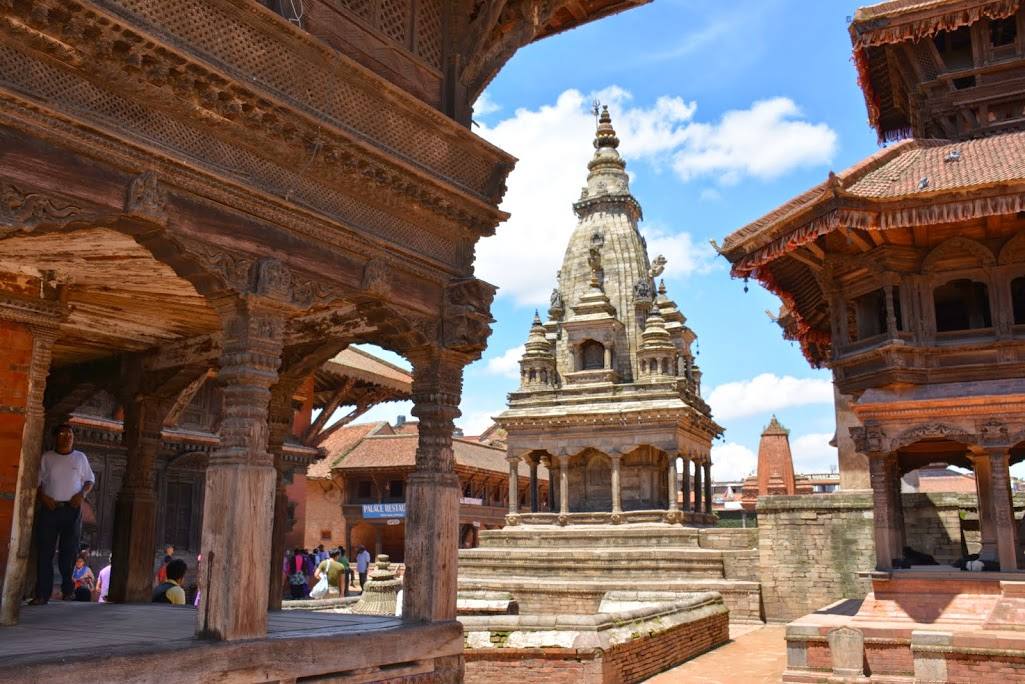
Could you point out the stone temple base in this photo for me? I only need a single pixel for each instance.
(553, 570)
(916, 625)
(631, 637)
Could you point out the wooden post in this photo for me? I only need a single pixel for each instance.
(240, 478)
(888, 520)
(1003, 509)
(16, 576)
(135, 509)
(617, 494)
(279, 528)
(432, 501)
(686, 484)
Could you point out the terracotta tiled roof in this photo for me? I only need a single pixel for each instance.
(361, 365)
(410, 427)
(893, 174)
(340, 442)
(396, 451)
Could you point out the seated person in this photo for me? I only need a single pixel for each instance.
(170, 591)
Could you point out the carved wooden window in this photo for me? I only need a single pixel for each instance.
(955, 47)
(364, 490)
(396, 489)
(870, 314)
(1002, 34)
(593, 355)
(962, 305)
(178, 515)
(1018, 300)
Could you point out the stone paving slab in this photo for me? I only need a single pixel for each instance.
(754, 655)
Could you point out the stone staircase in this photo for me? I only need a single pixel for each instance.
(560, 570)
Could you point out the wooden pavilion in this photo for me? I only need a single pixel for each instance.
(905, 275)
(247, 187)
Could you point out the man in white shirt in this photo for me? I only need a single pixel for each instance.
(64, 479)
(103, 583)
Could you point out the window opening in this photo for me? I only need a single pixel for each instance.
(594, 355)
(363, 489)
(870, 314)
(1018, 300)
(955, 47)
(1003, 31)
(395, 489)
(962, 305)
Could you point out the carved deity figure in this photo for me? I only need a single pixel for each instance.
(658, 264)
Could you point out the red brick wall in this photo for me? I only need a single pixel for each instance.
(631, 662)
(321, 511)
(15, 360)
(985, 668)
(889, 659)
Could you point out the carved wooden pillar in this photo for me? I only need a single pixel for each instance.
(707, 465)
(535, 502)
(698, 489)
(617, 492)
(240, 478)
(996, 511)
(888, 514)
(279, 528)
(432, 502)
(514, 485)
(673, 489)
(686, 484)
(44, 334)
(891, 315)
(135, 509)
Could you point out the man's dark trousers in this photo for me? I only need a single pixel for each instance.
(63, 524)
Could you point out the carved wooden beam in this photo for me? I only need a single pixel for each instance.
(352, 415)
(332, 405)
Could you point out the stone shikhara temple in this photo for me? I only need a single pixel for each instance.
(609, 400)
(240, 189)
(609, 393)
(905, 275)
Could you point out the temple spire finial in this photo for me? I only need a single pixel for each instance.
(605, 136)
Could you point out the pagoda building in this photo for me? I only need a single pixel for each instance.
(905, 275)
(609, 394)
(775, 475)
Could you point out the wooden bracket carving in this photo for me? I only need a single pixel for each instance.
(147, 198)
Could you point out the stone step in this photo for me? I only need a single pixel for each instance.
(594, 563)
(549, 596)
(591, 536)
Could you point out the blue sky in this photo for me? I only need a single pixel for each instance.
(725, 110)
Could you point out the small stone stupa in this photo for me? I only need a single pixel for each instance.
(380, 595)
(775, 474)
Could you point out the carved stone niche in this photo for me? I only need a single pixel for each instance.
(467, 318)
(868, 439)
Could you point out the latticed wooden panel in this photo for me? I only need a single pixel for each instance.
(364, 9)
(393, 20)
(428, 31)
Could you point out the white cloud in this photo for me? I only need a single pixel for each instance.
(767, 392)
(732, 461)
(508, 364)
(475, 422)
(485, 105)
(552, 145)
(681, 253)
(765, 142)
(710, 195)
(812, 453)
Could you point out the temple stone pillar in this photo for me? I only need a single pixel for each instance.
(240, 478)
(707, 465)
(673, 489)
(551, 482)
(535, 503)
(617, 491)
(39, 332)
(514, 484)
(135, 508)
(698, 488)
(888, 514)
(687, 505)
(563, 484)
(432, 502)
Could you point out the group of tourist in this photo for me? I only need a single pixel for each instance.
(331, 572)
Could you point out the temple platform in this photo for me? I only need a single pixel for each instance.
(68, 642)
(929, 624)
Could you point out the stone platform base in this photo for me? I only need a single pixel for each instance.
(636, 635)
(916, 626)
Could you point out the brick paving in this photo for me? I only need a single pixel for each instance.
(754, 655)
